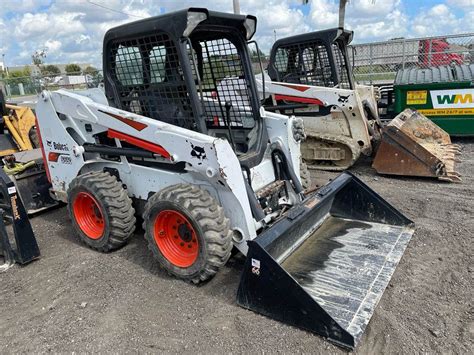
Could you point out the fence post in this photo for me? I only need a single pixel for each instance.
(371, 61)
(429, 52)
(404, 54)
(21, 89)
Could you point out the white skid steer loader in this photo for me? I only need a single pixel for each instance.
(207, 173)
(309, 76)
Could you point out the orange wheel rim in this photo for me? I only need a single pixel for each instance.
(88, 215)
(176, 238)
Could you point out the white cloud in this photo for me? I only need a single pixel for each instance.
(22, 6)
(52, 46)
(441, 20)
(73, 30)
(465, 4)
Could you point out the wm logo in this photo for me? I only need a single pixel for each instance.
(454, 99)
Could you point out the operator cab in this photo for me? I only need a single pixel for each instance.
(315, 58)
(192, 69)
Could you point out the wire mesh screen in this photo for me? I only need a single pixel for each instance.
(224, 89)
(306, 63)
(149, 80)
(341, 67)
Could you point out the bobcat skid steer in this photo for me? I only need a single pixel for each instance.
(207, 173)
(309, 76)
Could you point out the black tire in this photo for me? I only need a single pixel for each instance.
(305, 176)
(34, 139)
(115, 206)
(209, 224)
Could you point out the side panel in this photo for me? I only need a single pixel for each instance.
(449, 105)
(280, 130)
(346, 118)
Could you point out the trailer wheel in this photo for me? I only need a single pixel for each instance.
(101, 211)
(305, 176)
(187, 232)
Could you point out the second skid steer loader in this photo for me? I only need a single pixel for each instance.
(309, 76)
(207, 173)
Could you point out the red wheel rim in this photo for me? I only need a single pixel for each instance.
(88, 215)
(176, 238)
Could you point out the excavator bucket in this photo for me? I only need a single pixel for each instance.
(324, 266)
(412, 145)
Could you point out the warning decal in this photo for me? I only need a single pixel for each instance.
(416, 97)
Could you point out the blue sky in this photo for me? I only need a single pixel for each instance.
(72, 30)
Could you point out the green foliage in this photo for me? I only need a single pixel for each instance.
(90, 70)
(50, 70)
(94, 76)
(18, 76)
(73, 69)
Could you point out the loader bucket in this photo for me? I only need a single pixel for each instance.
(324, 266)
(413, 145)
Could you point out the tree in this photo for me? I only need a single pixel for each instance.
(38, 57)
(93, 75)
(254, 53)
(90, 70)
(50, 70)
(73, 69)
(19, 76)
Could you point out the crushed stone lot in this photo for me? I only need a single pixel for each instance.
(76, 299)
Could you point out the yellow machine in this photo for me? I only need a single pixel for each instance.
(17, 129)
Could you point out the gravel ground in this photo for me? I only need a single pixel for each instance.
(76, 299)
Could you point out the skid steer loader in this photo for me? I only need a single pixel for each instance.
(207, 173)
(309, 76)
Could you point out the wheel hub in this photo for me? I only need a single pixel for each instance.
(88, 215)
(176, 238)
(185, 233)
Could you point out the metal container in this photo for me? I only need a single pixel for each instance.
(444, 94)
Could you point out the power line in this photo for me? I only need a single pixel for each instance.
(110, 9)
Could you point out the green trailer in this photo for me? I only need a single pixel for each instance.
(444, 94)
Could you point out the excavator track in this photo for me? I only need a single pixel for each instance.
(329, 152)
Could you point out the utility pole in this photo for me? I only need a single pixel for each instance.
(4, 64)
(342, 12)
(275, 35)
(236, 6)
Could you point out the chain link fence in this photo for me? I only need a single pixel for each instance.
(373, 63)
(14, 86)
(377, 63)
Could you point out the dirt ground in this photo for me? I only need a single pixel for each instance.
(76, 299)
